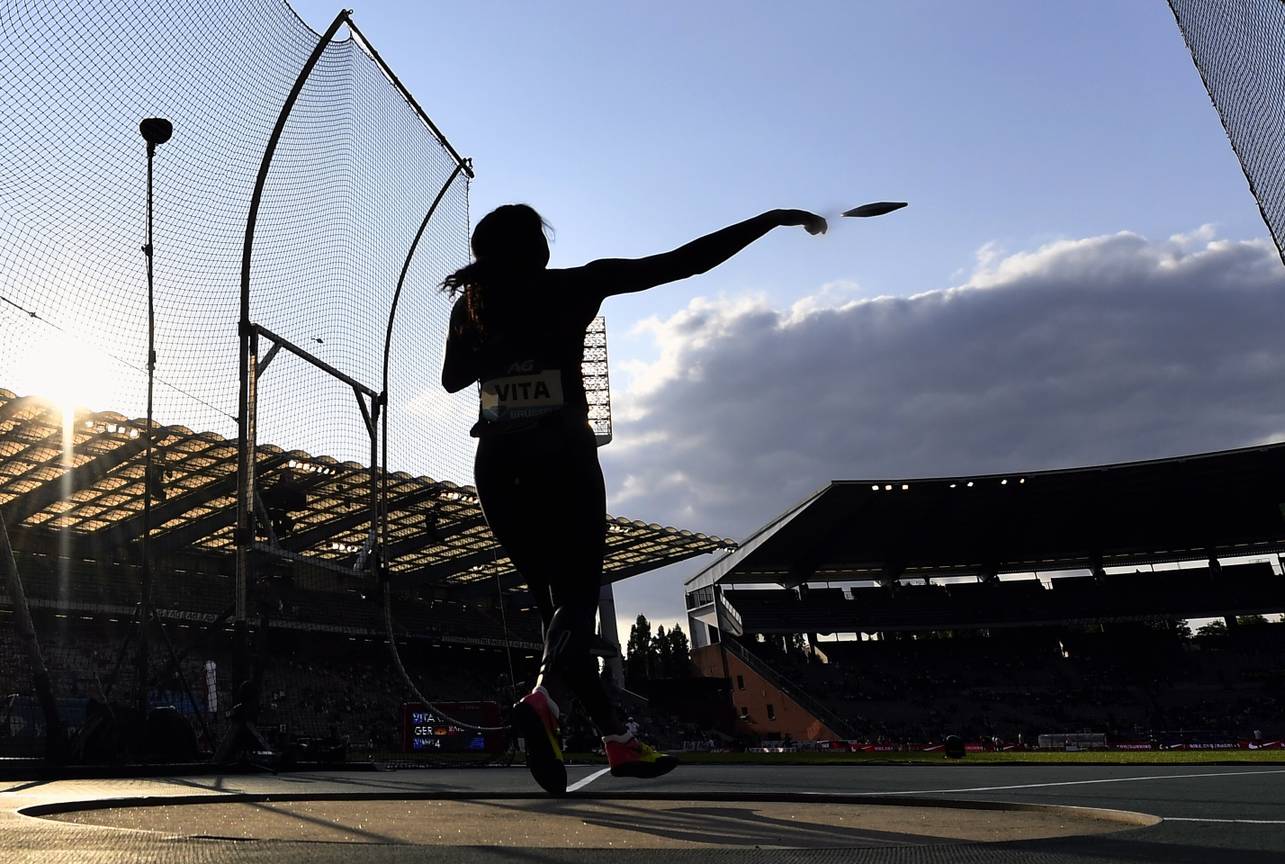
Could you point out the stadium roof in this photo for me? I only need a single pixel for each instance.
(1185, 508)
(94, 501)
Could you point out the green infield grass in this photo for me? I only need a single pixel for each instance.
(1011, 757)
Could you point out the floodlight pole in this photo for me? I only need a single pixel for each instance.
(155, 130)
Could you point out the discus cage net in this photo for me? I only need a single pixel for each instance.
(306, 209)
(1238, 47)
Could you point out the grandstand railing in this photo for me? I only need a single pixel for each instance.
(728, 618)
(1240, 589)
(782, 683)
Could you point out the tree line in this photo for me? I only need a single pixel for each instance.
(656, 655)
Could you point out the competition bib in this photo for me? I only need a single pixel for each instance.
(517, 397)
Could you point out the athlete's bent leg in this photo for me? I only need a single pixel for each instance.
(510, 497)
(567, 666)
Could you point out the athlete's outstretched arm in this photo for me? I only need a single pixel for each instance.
(624, 275)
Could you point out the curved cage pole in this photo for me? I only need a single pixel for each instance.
(249, 354)
(460, 165)
(244, 533)
(381, 564)
(250, 368)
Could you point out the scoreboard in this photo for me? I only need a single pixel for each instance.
(427, 731)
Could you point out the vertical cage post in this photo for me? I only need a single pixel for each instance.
(249, 409)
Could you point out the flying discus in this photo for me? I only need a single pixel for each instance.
(878, 208)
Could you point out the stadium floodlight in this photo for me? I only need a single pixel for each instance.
(1004, 482)
(597, 383)
(155, 130)
(970, 484)
(888, 488)
(905, 487)
(874, 488)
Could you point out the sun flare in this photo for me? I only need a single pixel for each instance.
(65, 370)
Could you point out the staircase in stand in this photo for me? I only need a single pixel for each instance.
(793, 691)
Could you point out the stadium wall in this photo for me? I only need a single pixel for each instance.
(753, 695)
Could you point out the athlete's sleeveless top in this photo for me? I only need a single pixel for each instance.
(531, 355)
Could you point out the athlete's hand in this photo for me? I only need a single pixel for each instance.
(812, 222)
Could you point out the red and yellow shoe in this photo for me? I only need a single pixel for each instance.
(535, 719)
(629, 757)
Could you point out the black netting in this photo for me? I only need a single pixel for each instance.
(1239, 48)
(353, 175)
(356, 169)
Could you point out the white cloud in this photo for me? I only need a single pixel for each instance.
(1078, 352)
(1202, 236)
(830, 296)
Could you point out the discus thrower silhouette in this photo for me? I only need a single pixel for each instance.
(517, 328)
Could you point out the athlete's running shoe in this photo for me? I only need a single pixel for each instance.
(535, 718)
(630, 757)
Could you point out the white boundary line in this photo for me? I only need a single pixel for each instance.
(1237, 821)
(580, 784)
(1066, 783)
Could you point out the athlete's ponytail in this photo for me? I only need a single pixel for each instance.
(468, 281)
(507, 241)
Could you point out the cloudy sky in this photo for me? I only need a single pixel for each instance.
(1100, 349)
(1081, 276)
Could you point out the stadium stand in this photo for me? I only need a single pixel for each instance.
(928, 619)
(1124, 683)
(319, 684)
(327, 675)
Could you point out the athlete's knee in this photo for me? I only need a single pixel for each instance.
(568, 635)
